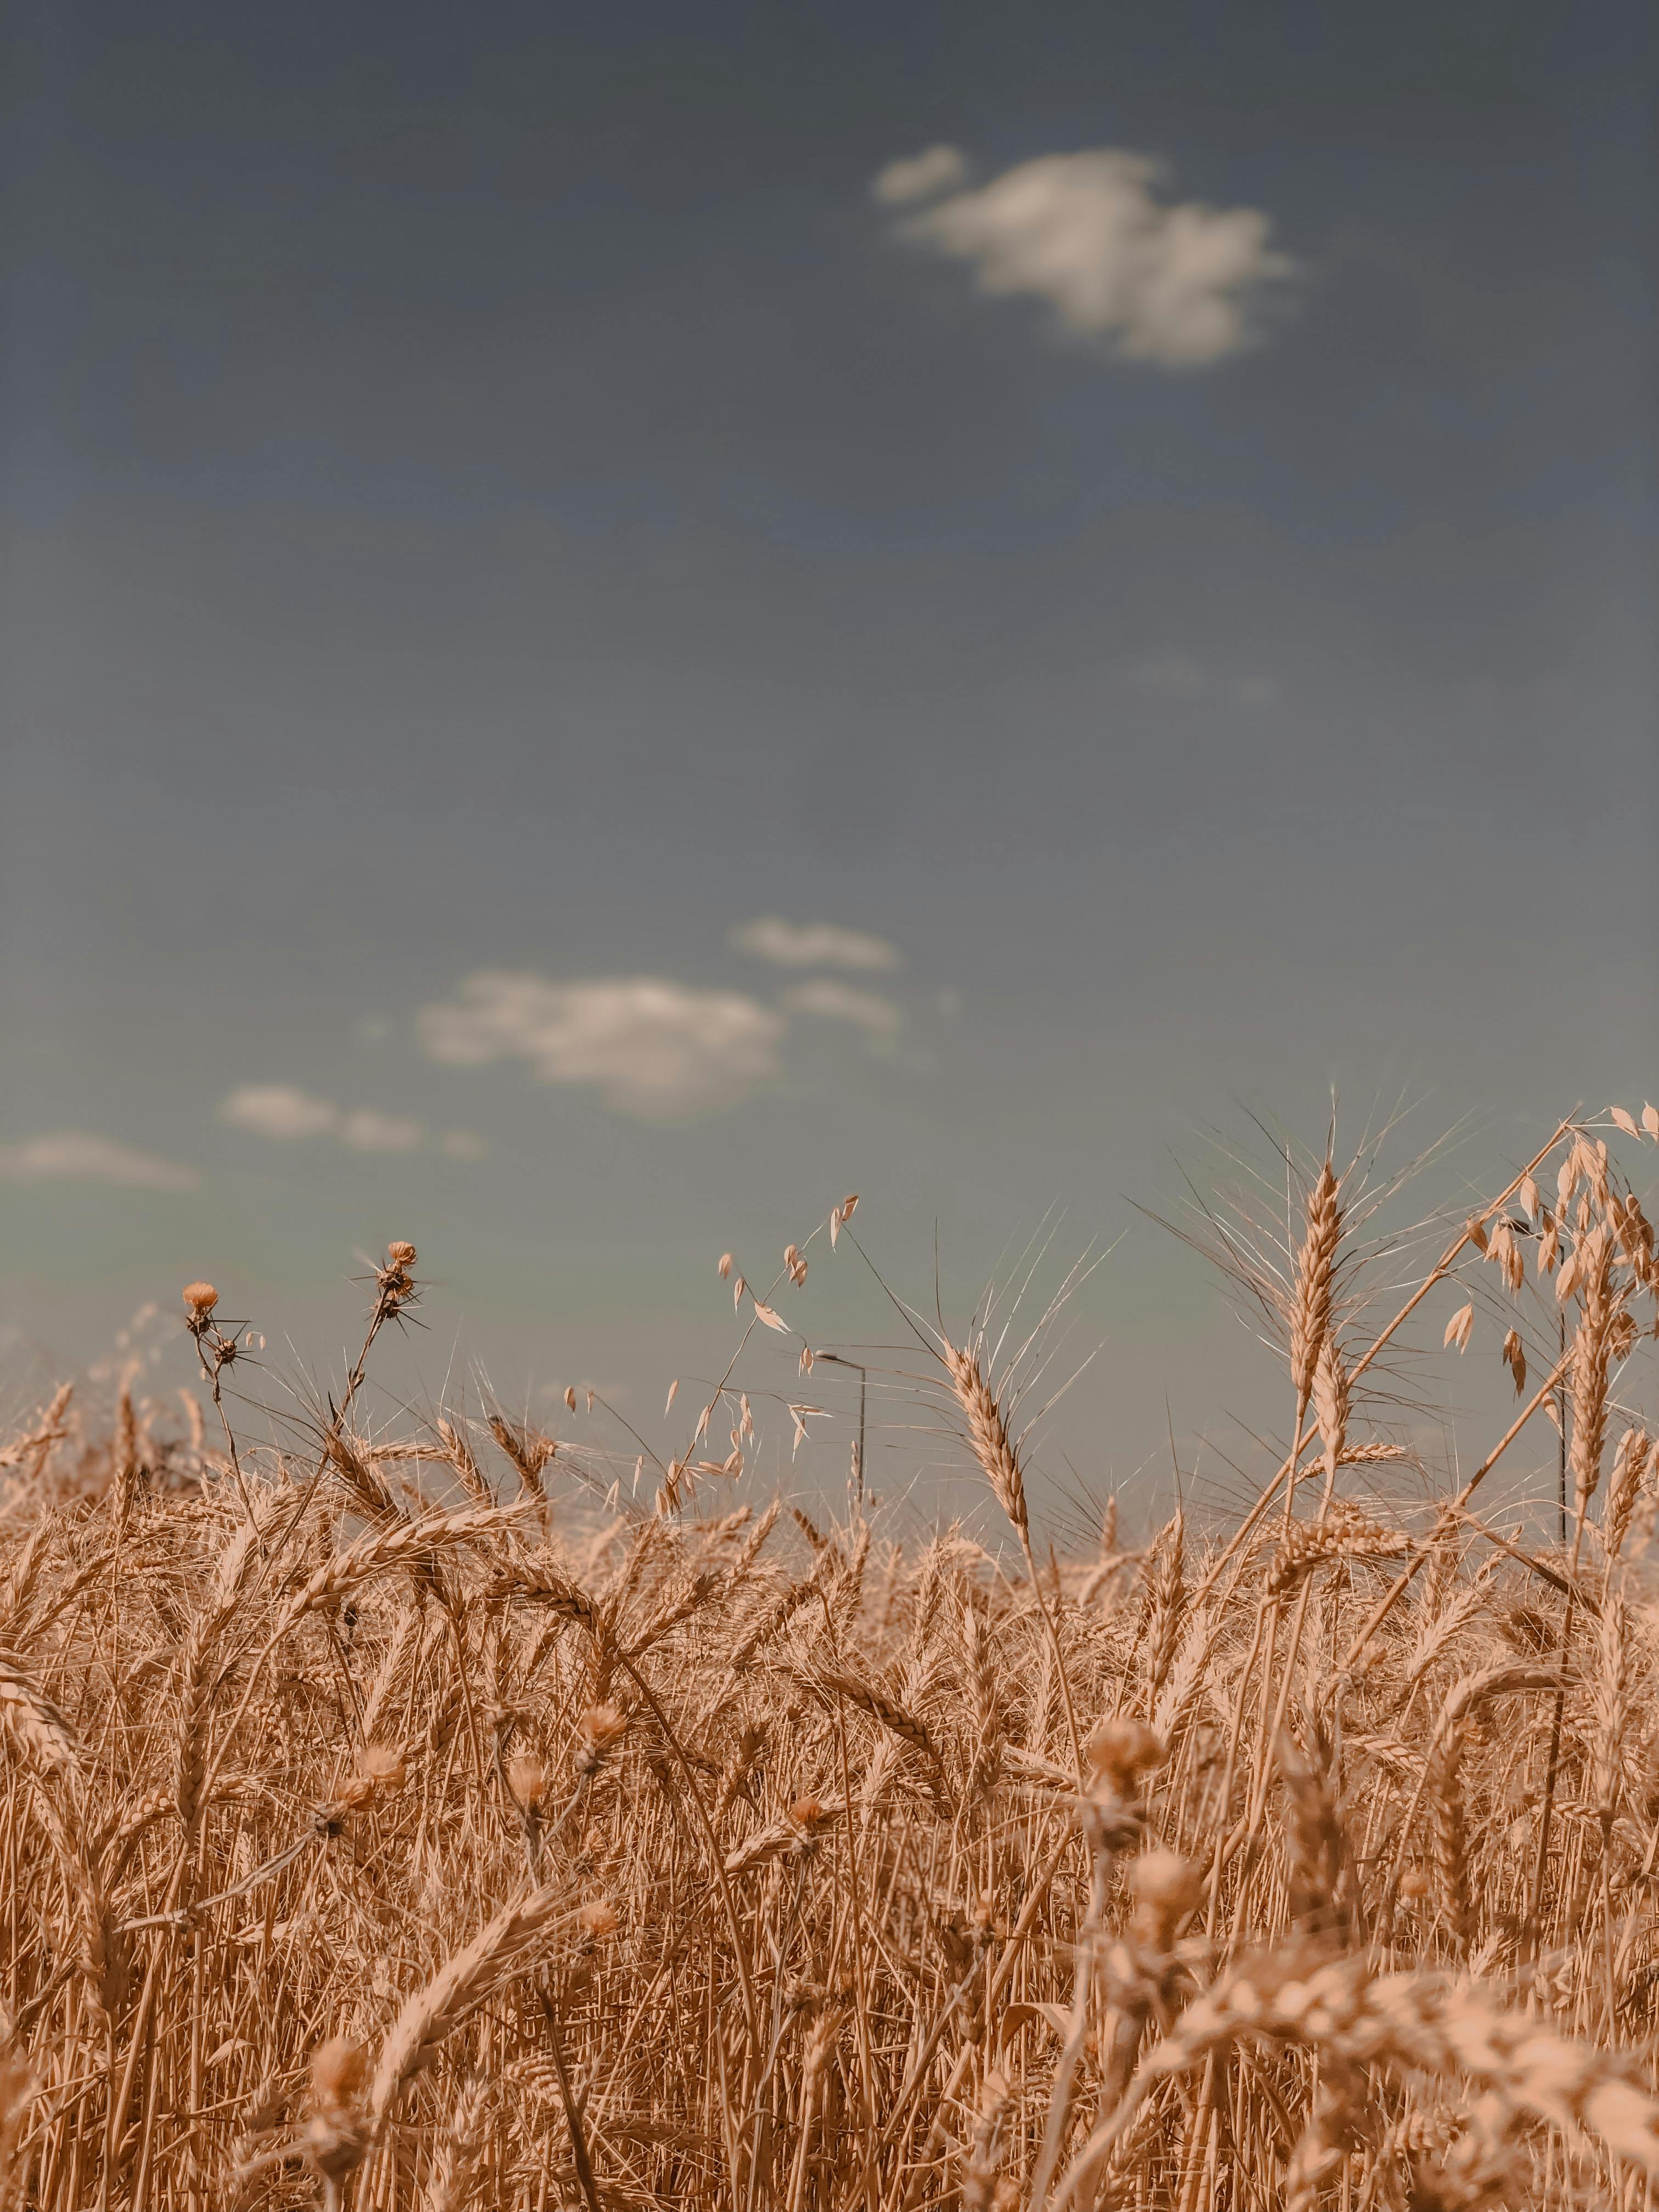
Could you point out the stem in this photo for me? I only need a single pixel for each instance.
(1561, 1427)
(751, 2017)
(866, 2062)
(573, 2114)
(212, 1375)
(384, 1307)
(1414, 1567)
(1553, 1763)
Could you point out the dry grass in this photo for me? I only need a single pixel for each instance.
(370, 1841)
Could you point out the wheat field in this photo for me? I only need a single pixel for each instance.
(421, 1815)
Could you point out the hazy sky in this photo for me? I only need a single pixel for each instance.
(1122, 535)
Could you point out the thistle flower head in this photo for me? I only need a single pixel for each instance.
(336, 2135)
(1166, 1888)
(382, 1766)
(600, 1728)
(380, 1772)
(527, 1778)
(1120, 1752)
(339, 2068)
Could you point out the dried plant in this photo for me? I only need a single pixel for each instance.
(374, 1844)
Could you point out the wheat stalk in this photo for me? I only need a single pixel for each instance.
(1281, 1933)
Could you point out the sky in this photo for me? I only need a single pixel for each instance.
(620, 620)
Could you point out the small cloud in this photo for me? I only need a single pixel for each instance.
(1174, 676)
(462, 1144)
(653, 1048)
(879, 1018)
(1171, 678)
(1178, 284)
(288, 1116)
(73, 1156)
(374, 1028)
(920, 176)
(811, 945)
(366, 1131)
(278, 1110)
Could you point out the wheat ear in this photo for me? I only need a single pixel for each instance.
(460, 1984)
(988, 1433)
(1310, 1305)
(34, 1720)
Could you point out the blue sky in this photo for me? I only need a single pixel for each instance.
(620, 622)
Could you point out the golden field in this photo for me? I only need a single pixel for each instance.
(422, 1816)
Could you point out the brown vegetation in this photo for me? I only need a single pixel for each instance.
(388, 1825)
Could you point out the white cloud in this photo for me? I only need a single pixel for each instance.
(811, 945)
(1177, 284)
(288, 1114)
(920, 176)
(74, 1156)
(655, 1047)
(277, 1110)
(879, 1018)
(366, 1131)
